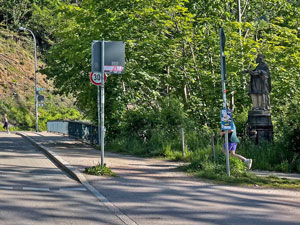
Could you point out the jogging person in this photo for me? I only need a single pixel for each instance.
(232, 144)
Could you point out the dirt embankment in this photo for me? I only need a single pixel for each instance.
(17, 66)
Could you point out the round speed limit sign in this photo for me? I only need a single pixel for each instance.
(96, 78)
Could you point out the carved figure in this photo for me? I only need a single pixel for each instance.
(260, 85)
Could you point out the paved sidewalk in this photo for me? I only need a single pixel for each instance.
(291, 176)
(150, 191)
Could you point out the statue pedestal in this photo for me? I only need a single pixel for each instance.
(260, 125)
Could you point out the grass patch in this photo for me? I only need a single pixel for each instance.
(244, 178)
(99, 170)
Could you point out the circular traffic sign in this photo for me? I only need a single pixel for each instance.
(96, 78)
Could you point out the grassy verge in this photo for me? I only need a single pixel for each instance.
(245, 178)
(99, 170)
(202, 165)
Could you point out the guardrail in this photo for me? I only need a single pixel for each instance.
(80, 130)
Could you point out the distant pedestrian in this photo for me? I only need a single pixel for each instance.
(5, 122)
(232, 144)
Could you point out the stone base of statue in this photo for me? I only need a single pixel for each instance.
(260, 125)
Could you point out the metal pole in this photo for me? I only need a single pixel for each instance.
(226, 131)
(35, 83)
(182, 141)
(102, 103)
(224, 100)
(99, 116)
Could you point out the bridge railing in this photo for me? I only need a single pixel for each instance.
(80, 130)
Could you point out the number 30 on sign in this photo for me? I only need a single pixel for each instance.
(96, 78)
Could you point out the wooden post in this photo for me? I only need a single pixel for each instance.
(182, 141)
(213, 153)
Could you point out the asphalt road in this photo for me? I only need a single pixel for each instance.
(34, 191)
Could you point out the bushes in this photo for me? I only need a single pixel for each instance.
(288, 138)
(276, 156)
(21, 114)
(156, 132)
(206, 167)
(18, 114)
(56, 112)
(289, 129)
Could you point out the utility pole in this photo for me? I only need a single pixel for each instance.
(35, 80)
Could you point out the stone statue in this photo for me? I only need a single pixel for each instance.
(260, 85)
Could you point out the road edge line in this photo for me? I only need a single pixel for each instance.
(72, 171)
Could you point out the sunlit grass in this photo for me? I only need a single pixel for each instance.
(245, 178)
(99, 170)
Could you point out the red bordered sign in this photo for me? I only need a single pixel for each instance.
(96, 78)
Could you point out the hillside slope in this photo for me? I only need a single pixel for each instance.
(17, 85)
(17, 66)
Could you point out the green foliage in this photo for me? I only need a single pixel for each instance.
(39, 16)
(289, 128)
(99, 170)
(271, 156)
(18, 113)
(172, 48)
(13, 13)
(150, 132)
(21, 114)
(56, 110)
(204, 167)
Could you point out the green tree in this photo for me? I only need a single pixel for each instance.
(172, 49)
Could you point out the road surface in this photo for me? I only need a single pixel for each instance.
(34, 191)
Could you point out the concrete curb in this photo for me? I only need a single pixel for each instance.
(73, 172)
